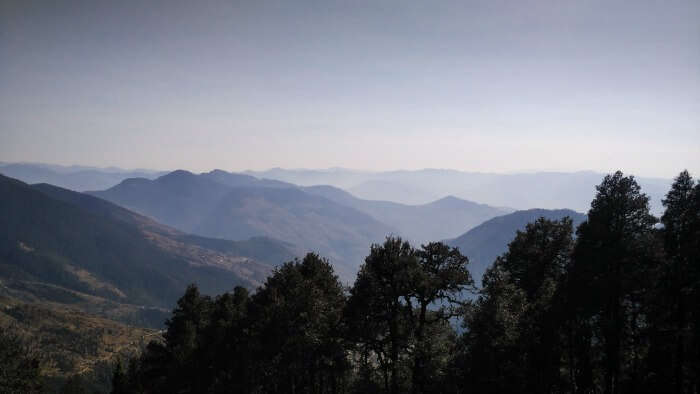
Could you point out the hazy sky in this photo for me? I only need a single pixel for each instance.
(470, 85)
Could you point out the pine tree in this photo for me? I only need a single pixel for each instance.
(681, 279)
(611, 271)
(379, 310)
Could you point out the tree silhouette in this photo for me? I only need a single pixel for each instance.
(615, 309)
(681, 276)
(295, 329)
(513, 341)
(440, 278)
(378, 309)
(611, 261)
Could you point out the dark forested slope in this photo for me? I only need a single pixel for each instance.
(485, 242)
(56, 237)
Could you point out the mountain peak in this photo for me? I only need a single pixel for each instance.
(450, 198)
(177, 174)
(178, 177)
(452, 201)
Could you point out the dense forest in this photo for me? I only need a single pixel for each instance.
(612, 306)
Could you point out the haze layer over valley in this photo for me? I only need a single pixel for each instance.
(551, 190)
(345, 197)
(328, 219)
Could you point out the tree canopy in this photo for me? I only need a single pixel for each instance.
(609, 307)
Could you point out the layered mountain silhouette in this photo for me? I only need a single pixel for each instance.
(550, 190)
(234, 206)
(419, 223)
(485, 242)
(60, 245)
(389, 190)
(243, 180)
(78, 178)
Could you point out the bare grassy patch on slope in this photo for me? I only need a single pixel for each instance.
(70, 341)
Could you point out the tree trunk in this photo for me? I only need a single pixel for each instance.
(394, 356)
(418, 359)
(680, 327)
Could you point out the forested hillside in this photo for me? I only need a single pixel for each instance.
(610, 309)
(606, 306)
(490, 239)
(84, 282)
(71, 242)
(349, 197)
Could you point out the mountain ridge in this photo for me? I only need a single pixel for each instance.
(525, 190)
(206, 204)
(78, 242)
(483, 243)
(77, 178)
(419, 223)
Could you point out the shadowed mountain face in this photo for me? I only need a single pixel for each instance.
(179, 199)
(551, 190)
(58, 244)
(76, 178)
(233, 206)
(437, 220)
(485, 242)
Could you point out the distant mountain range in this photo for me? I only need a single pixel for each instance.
(57, 244)
(81, 278)
(324, 219)
(485, 242)
(78, 178)
(550, 190)
(79, 269)
(418, 223)
(234, 206)
(74, 267)
(337, 223)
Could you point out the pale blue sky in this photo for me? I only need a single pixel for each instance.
(470, 85)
